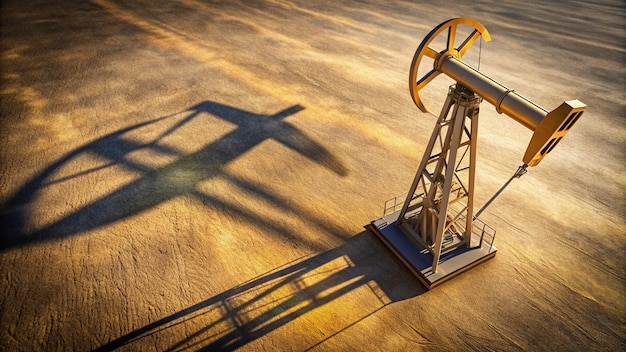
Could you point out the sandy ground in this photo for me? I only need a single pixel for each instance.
(197, 175)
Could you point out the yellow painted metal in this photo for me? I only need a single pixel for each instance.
(549, 127)
(551, 130)
(505, 100)
(425, 49)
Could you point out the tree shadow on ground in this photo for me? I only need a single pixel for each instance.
(258, 307)
(157, 185)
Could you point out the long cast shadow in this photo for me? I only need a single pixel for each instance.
(157, 185)
(255, 308)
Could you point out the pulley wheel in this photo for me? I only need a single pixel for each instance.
(425, 50)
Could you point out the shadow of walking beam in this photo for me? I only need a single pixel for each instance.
(157, 185)
(258, 307)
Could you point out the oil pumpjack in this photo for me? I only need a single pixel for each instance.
(436, 232)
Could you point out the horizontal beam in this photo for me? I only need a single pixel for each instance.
(505, 100)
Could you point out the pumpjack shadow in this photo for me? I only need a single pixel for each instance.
(157, 185)
(238, 316)
(259, 306)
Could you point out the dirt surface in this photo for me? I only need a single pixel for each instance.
(198, 174)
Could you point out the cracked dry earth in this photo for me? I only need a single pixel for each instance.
(196, 175)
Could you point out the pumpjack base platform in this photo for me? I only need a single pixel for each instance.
(420, 261)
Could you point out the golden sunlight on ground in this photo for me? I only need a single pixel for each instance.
(197, 175)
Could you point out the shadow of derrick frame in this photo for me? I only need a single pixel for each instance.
(157, 185)
(259, 306)
(292, 290)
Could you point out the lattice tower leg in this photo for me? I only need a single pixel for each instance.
(440, 203)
